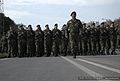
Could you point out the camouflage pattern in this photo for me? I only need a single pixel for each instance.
(114, 33)
(84, 41)
(4, 44)
(47, 41)
(103, 39)
(56, 40)
(108, 40)
(74, 26)
(22, 42)
(98, 40)
(64, 41)
(39, 41)
(30, 42)
(12, 43)
(89, 41)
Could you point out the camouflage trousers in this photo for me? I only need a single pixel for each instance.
(74, 44)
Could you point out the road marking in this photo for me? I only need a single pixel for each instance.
(86, 70)
(5, 59)
(99, 65)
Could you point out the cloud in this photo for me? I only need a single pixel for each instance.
(62, 2)
(26, 10)
(17, 14)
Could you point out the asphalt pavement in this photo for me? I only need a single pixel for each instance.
(83, 68)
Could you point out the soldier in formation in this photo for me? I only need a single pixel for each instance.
(74, 25)
(74, 39)
(12, 42)
(47, 41)
(114, 34)
(30, 42)
(64, 41)
(22, 42)
(56, 40)
(39, 41)
(3, 43)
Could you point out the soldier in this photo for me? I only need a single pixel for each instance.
(56, 40)
(64, 40)
(16, 41)
(81, 40)
(119, 38)
(47, 41)
(74, 25)
(114, 38)
(94, 39)
(103, 38)
(39, 41)
(98, 40)
(4, 43)
(22, 42)
(30, 42)
(84, 40)
(89, 40)
(0, 46)
(11, 36)
(108, 41)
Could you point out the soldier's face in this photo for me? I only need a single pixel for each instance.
(93, 26)
(102, 25)
(47, 27)
(73, 16)
(84, 26)
(10, 28)
(56, 27)
(112, 25)
(38, 27)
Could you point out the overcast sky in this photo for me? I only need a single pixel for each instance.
(58, 11)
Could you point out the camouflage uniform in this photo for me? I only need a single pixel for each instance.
(30, 42)
(89, 41)
(56, 40)
(95, 40)
(39, 41)
(103, 40)
(114, 34)
(85, 41)
(98, 40)
(74, 26)
(22, 42)
(119, 38)
(47, 41)
(64, 41)
(4, 43)
(80, 43)
(108, 41)
(12, 44)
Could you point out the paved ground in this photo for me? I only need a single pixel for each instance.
(60, 68)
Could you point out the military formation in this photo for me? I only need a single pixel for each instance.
(75, 38)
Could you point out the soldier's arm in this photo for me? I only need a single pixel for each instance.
(68, 29)
(60, 34)
(7, 35)
(80, 27)
(80, 24)
(67, 26)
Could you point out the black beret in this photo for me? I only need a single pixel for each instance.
(38, 25)
(46, 25)
(56, 25)
(73, 13)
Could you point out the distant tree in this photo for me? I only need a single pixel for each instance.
(117, 22)
(108, 21)
(5, 23)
